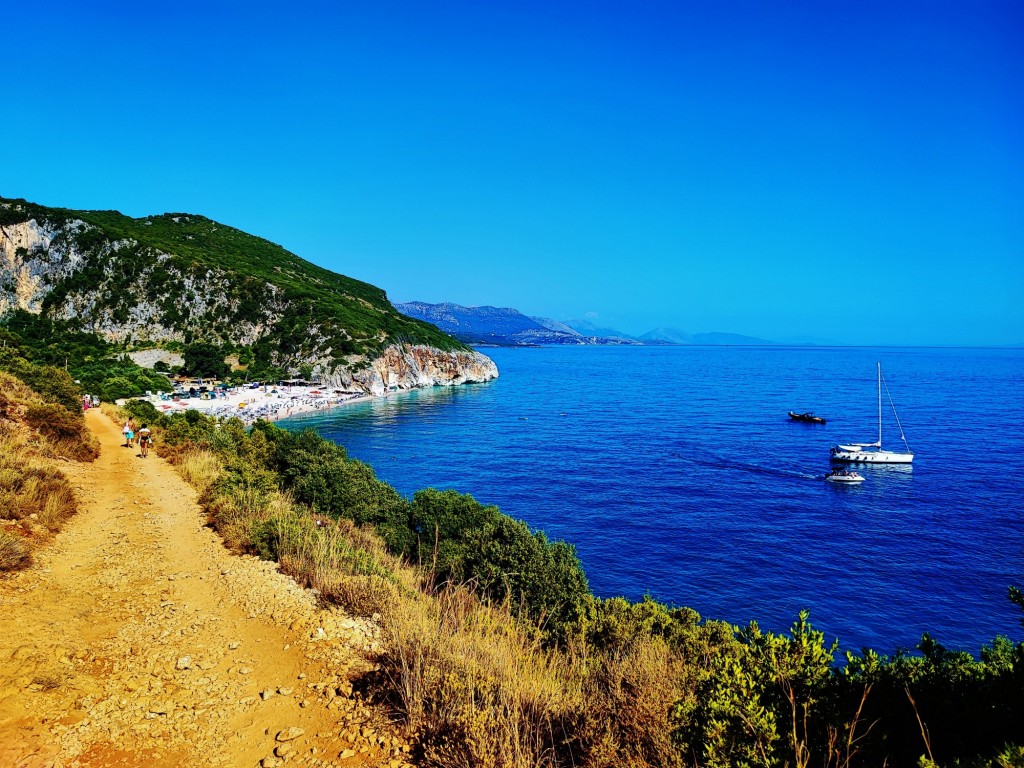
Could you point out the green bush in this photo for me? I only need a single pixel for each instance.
(118, 387)
(274, 537)
(144, 412)
(52, 383)
(461, 540)
(205, 359)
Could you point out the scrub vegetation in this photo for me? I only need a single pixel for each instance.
(496, 654)
(98, 367)
(41, 425)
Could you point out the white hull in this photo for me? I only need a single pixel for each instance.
(872, 453)
(846, 480)
(872, 457)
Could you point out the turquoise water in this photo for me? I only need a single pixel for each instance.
(676, 472)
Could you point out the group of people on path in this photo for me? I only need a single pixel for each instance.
(144, 436)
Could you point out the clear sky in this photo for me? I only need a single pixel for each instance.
(842, 170)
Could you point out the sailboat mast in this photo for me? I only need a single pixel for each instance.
(879, 364)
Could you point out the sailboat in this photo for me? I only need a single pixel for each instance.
(872, 453)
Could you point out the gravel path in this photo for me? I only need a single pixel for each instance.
(136, 639)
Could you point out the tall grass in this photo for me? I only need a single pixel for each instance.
(200, 468)
(475, 688)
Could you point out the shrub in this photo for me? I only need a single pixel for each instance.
(64, 430)
(204, 359)
(118, 387)
(143, 411)
(461, 540)
(13, 552)
(53, 384)
(271, 538)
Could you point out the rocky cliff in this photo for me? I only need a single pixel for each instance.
(407, 367)
(179, 278)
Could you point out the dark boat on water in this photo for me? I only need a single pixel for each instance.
(808, 417)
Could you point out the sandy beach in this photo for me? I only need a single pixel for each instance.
(270, 402)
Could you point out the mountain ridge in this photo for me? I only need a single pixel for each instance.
(508, 326)
(502, 326)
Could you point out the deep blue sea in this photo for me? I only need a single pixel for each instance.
(676, 472)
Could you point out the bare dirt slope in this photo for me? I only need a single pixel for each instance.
(136, 639)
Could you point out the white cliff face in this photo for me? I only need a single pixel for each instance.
(408, 367)
(35, 258)
(32, 258)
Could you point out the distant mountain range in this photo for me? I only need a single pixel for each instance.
(504, 326)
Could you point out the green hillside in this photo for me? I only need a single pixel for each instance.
(302, 312)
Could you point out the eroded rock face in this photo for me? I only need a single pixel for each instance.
(36, 258)
(33, 257)
(411, 366)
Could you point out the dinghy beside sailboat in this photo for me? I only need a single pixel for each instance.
(873, 453)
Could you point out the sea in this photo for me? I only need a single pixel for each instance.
(677, 473)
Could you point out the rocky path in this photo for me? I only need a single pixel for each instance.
(136, 639)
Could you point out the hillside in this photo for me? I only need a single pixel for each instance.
(178, 278)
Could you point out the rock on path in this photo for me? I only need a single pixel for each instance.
(136, 639)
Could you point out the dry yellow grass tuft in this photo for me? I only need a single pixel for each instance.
(13, 551)
(199, 467)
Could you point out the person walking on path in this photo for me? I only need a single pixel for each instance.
(145, 440)
(126, 430)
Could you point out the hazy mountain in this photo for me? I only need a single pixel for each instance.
(498, 325)
(729, 340)
(587, 328)
(668, 335)
(811, 341)
(471, 322)
(554, 325)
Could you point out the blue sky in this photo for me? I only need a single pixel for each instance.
(851, 171)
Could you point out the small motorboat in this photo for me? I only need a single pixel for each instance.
(843, 476)
(808, 417)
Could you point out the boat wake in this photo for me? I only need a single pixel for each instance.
(758, 469)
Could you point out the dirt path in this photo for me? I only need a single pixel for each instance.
(136, 639)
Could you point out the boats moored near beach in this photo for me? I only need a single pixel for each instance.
(873, 453)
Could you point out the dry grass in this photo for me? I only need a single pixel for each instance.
(236, 516)
(475, 687)
(51, 429)
(33, 491)
(14, 552)
(347, 565)
(200, 468)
